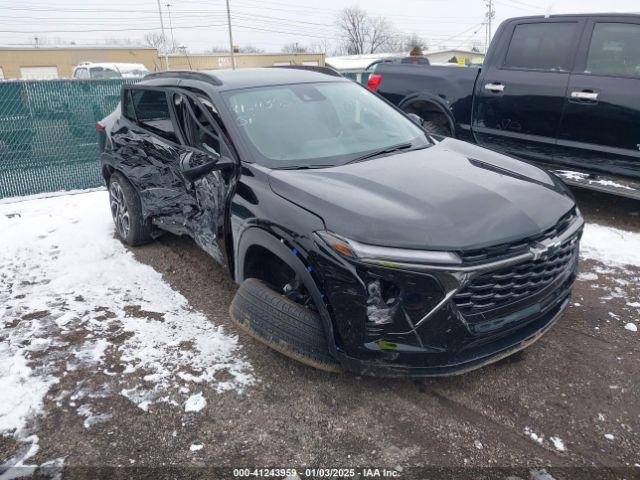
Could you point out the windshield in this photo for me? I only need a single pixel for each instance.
(101, 73)
(321, 124)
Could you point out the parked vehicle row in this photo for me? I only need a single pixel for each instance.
(562, 91)
(359, 241)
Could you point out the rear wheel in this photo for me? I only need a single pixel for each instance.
(279, 321)
(436, 128)
(434, 119)
(126, 210)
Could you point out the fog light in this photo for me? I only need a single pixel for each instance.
(382, 302)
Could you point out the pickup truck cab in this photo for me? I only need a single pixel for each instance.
(563, 91)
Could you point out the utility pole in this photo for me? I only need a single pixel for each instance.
(233, 60)
(173, 40)
(490, 15)
(164, 38)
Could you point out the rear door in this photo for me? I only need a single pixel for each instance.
(600, 129)
(148, 146)
(520, 94)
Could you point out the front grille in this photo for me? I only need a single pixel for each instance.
(501, 287)
(506, 250)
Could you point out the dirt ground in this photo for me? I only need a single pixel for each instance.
(578, 388)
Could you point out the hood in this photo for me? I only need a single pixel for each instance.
(452, 196)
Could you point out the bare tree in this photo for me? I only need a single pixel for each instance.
(322, 46)
(154, 40)
(250, 49)
(415, 42)
(380, 34)
(217, 49)
(293, 47)
(362, 34)
(353, 24)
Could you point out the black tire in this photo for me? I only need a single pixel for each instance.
(280, 323)
(436, 128)
(138, 229)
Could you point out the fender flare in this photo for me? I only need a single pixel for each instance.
(255, 236)
(435, 100)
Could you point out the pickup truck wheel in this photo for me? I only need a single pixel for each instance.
(282, 324)
(126, 210)
(436, 128)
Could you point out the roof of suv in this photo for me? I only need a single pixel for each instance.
(252, 77)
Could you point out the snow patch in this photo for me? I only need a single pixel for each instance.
(610, 246)
(196, 446)
(92, 418)
(22, 389)
(558, 443)
(632, 327)
(74, 299)
(534, 436)
(195, 403)
(587, 277)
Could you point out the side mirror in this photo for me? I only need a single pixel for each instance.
(417, 119)
(195, 165)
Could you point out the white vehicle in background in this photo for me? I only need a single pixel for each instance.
(90, 70)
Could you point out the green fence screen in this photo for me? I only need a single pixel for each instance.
(48, 139)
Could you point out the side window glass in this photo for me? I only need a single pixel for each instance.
(127, 107)
(152, 112)
(614, 49)
(82, 73)
(198, 130)
(542, 46)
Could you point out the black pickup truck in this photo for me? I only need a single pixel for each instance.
(562, 91)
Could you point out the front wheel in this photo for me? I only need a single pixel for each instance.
(282, 324)
(126, 210)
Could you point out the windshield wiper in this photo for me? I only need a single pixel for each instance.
(382, 151)
(304, 167)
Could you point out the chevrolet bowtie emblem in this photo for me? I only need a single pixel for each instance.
(538, 250)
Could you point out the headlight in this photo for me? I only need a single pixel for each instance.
(386, 256)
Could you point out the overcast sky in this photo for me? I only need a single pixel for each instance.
(266, 24)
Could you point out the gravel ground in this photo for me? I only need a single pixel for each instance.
(569, 404)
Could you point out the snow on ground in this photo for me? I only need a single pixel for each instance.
(72, 298)
(558, 443)
(616, 251)
(611, 246)
(533, 435)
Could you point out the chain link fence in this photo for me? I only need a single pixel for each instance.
(48, 140)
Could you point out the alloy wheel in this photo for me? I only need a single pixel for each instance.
(119, 210)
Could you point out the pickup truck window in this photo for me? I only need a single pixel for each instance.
(614, 50)
(542, 46)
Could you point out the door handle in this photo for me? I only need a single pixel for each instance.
(592, 96)
(494, 87)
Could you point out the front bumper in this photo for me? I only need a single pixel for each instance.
(437, 321)
(428, 365)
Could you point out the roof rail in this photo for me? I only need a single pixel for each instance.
(313, 68)
(190, 74)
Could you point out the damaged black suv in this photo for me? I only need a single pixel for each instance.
(359, 241)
